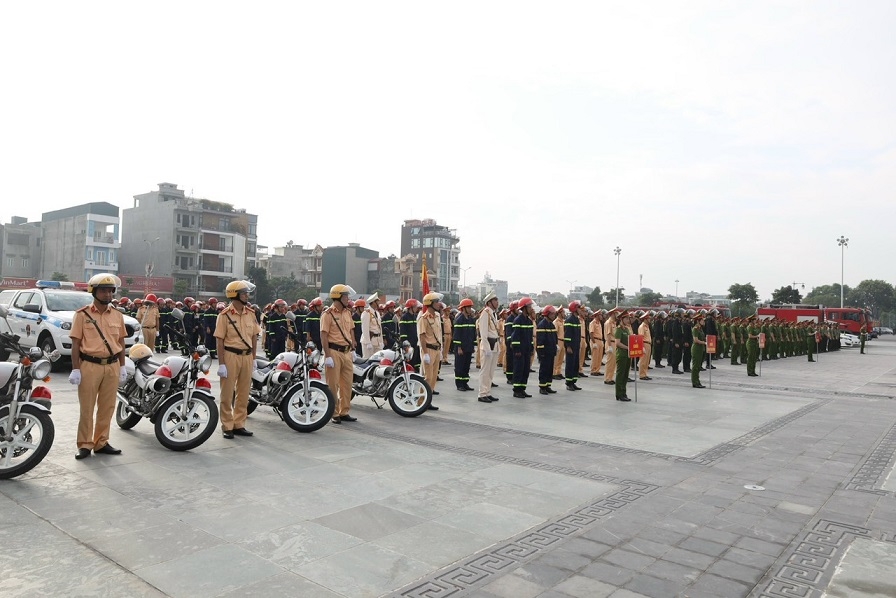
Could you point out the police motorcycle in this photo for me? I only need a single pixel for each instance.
(173, 394)
(26, 429)
(388, 374)
(293, 386)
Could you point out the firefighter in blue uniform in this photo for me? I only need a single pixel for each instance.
(513, 310)
(546, 347)
(464, 344)
(390, 326)
(521, 346)
(311, 330)
(209, 322)
(276, 329)
(165, 320)
(407, 327)
(357, 307)
(572, 339)
(301, 312)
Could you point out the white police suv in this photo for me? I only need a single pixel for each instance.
(42, 316)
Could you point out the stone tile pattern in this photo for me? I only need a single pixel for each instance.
(808, 568)
(480, 569)
(723, 450)
(870, 476)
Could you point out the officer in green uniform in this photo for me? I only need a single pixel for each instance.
(863, 336)
(752, 337)
(809, 331)
(766, 329)
(623, 362)
(697, 350)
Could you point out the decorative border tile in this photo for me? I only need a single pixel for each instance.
(873, 471)
(808, 568)
(483, 567)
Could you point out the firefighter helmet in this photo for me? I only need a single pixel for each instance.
(465, 303)
(212, 301)
(513, 305)
(301, 303)
(280, 303)
(574, 305)
(151, 298)
(548, 310)
(316, 301)
(411, 303)
(360, 303)
(524, 302)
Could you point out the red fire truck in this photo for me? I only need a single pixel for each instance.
(850, 319)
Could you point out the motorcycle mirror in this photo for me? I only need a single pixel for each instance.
(290, 316)
(4, 311)
(121, 309)
(178, 314)
(55, 355)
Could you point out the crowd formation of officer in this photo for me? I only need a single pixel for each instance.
(562, 338)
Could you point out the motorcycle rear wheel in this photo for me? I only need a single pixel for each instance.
(23, 452)
(179, 433)
(410, 401)
(308, 415)
(124, 418)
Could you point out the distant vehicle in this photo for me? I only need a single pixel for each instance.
(849, 340)
(849, 319)
(884, 330)
(42, 316)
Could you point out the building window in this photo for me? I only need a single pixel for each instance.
(427, 242)
(25, 262)
(415, 243)
(10, 261)
(90, 254)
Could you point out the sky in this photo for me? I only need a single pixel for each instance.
(713, 142)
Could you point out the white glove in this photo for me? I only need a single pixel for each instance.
(426, 359)
(75, 377)
(123, 375)
(368, 347)
(329, 362)
(222, 371)
(254, 365)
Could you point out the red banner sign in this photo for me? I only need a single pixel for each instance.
(762, 340)
(635, 345)
(710, 343)
(18, 283)
(141, 284)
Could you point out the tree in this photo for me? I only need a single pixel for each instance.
(595, 298)
(826, 294)
(259, 277)
(611, 295)
(743, 299)
(786, 294)
(877, 295)
(648, 299)
(59, 276)
(181, 287)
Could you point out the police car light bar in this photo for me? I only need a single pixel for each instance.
(55, 284)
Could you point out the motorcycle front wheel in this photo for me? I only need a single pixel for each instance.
(307, 414)
(252, 406)
(32, 436)
(180, 431)
(410, 400)
(124, 418)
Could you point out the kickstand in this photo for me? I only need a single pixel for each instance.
(378, 405)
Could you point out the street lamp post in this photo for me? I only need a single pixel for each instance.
(842, 242)
(617, 251)
(150, 265)
(676, 289)
(464, 270)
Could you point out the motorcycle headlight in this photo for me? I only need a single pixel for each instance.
(35, 353)
(40, 369)
(205, 363)
(137, 327)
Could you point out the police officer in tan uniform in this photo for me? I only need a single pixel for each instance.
(644, 330)
(338, 343)
(371, 327)
(491, 344)
(97, 335)
(610, 346)
(429, 335)
(236, 335)
(148, 316)
(596, 333)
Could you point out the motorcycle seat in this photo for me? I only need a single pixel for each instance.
(261, 364)
(147, 367)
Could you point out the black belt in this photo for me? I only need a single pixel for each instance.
(374, 334)
(238, 351)
(435, 347)
(340, 348)
(99, 360)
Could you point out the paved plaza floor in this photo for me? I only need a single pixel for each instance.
(780, 485)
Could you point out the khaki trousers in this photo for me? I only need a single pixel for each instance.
(235, 389)
(489, 360)
(610, 372)
(149, 337)
(446, 346)
(431, 369)
(582, 346)
(97, 391)
(377, 342)
(339, 379)
(558, 360)
(644, 360)
(597, 356)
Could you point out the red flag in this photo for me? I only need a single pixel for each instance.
(425, 277)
